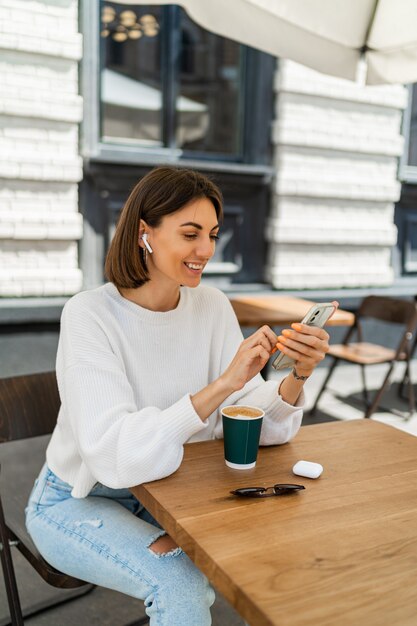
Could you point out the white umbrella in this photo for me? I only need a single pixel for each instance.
(330, 36)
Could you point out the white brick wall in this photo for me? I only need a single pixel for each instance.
(40, 86)
(40, 166)
(338, 124)
(337, 145)
(300, 266)
(41, 26)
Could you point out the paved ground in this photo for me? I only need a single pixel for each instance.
(343, 400)
(30, 352)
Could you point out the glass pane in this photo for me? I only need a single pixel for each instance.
(227, 258)
(412, 150)
(131, 89)
(208, 117)
(410, 248)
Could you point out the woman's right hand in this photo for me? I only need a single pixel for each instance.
(251, 357)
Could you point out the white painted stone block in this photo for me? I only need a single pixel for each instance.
(61, 284)
(331, 231)
(319, 210)
(304, 266)
(31, 27)
(31, 254)
(296, 78)
(41, 268)
(325, 173)
(7, 229)
(38, 196)
(70, 229)
(305, 120)
(329, 279)
(28, 42)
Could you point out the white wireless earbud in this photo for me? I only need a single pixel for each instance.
(146, 244)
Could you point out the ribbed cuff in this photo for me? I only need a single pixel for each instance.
(180, 421)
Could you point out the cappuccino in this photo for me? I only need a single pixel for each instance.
(244, 411)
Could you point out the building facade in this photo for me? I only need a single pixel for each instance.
(40, 161)
(318, 173)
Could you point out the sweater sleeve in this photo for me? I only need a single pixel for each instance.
(119, 444)
(282, 421)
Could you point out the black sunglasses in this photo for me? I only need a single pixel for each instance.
(266, 492)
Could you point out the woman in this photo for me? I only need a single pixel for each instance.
(144, 363)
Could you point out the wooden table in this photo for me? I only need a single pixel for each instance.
(280, 311)
(343, 551)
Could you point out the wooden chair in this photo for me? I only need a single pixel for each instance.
(29, 408)
(406, 378)
(389, 310)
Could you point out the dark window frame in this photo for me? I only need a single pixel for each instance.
(407, 173)
(257, 96)
(405, 216)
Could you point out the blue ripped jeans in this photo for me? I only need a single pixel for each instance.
(105, 539)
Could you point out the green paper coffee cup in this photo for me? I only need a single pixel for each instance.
(241, 431)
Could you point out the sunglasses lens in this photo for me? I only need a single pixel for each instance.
(287, 488)
(248, 491)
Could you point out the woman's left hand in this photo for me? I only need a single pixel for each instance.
(307, 345)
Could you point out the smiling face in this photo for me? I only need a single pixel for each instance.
(182, 244)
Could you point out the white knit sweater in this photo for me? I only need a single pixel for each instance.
(125, 376)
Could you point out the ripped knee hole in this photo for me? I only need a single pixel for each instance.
(163, 545)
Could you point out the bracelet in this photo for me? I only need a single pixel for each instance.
(297, 377)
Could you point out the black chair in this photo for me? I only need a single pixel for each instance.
(29, 408)
(389, 310)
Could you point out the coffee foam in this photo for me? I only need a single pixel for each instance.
(242, 412)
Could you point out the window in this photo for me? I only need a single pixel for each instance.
(412, 142)
(405, 210)
(155, 83)
(130, 75)
(167, 82)
(408, 166)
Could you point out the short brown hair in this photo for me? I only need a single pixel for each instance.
(161, 192)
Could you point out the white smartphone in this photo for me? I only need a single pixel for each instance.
(317, 316)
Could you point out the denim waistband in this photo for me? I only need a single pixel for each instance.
(49, 489)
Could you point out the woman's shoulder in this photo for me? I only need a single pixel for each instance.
(83, 301)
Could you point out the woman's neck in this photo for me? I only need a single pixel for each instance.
(154, 298)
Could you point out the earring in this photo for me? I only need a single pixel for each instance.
(145, 255)
(146, 243)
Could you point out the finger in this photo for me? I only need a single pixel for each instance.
(269, 333)
(298, 357)
(265, 343)
(303, 348)
(259, 352)
(266, 333)
(261, 335)
(315, 340)
(305, 331)
(259, 339)
(336, 306)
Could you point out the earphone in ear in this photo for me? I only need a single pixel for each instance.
(146, 243)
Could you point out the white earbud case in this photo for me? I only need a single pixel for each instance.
(307, 469)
